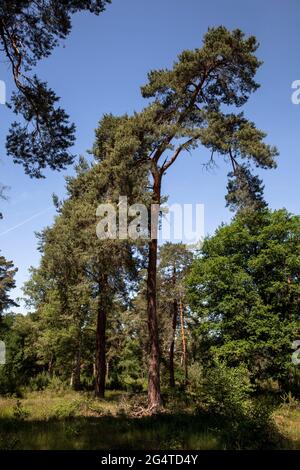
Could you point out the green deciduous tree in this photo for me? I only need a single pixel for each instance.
(245, 289)
(19, 333)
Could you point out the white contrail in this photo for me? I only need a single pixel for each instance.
(25, 221)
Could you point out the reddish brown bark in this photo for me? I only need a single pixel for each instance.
(100, 363)
(75, 382)
(172, 346)
(183, 339)
(154, 395)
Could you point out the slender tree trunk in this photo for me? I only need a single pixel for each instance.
(154, 396)
(50, 366)
(183, 339)
(107, 370)
(75, 382)
(100, 363)
(172, 346)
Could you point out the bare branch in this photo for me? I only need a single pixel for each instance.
(166, 165)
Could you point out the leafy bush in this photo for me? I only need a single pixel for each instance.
(19, 412)
(10, 383)
(56, 384)
(133, 386)
(66, 409)
(227, 393)
(224, 389)
(43, 381)
(39, 382)
(253, 429)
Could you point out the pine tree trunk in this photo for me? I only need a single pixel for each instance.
(75, 382)
(50, 366)
(183, 339)
(172, 346)
(154, 396)
(100, 363)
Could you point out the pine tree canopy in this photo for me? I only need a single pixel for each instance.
(29, 31)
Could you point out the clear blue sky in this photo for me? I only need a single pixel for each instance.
(100, 69)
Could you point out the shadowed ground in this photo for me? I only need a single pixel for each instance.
(78, 421)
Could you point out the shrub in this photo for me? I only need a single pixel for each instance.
(224, 389)
(227, 393)
(19, 412)
(9, 382)
(39, 382)
(66, 409)
(43, 381)
(133, 386)
(56, 384)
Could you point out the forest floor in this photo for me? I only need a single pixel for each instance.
(76, 420)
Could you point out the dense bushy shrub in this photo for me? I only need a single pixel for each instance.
(227, 393)
(224, 389)
(39, 382)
